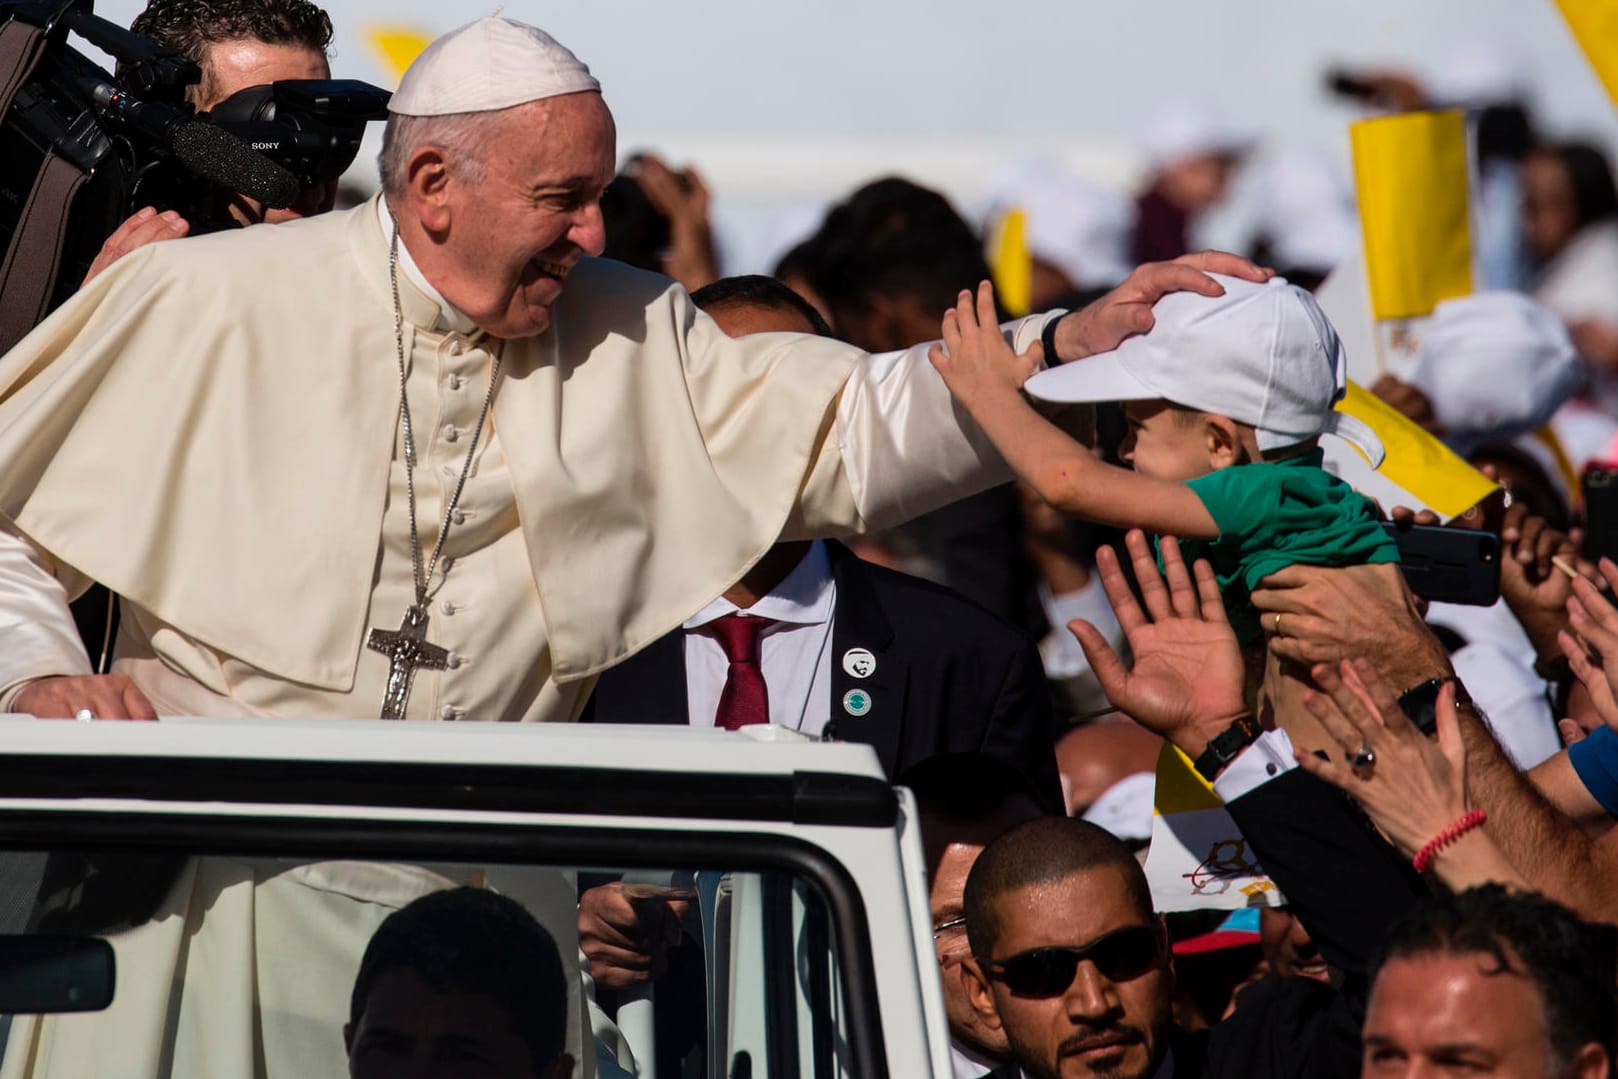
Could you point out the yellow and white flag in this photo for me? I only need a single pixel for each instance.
(1199, 859)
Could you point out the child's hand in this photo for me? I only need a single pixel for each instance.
(974, 358)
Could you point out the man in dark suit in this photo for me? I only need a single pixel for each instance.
(817, 640)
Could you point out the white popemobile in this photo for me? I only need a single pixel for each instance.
(812, 896)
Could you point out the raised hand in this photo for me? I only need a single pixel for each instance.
(1592, 646)
(1411, 788)
(1187, 680)
(974, 358)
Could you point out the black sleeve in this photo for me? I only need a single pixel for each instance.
(1342, 880)
(1347, 886)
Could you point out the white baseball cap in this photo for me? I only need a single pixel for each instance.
(1495, 365)
(1262, 354)
(488, 65)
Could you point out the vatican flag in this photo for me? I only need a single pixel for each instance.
(1199, 859)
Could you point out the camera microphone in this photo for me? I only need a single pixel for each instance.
(217, 155)
(210, 152)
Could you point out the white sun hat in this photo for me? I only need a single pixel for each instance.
(487, 65)
(1261, 354)
(1495, 365)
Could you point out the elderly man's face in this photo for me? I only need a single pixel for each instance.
(1098, 1026)
(1440, 1014)
(512, 238)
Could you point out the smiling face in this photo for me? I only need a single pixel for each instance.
(1097, 1028)
(499, 241)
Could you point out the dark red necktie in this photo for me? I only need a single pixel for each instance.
(744, 699)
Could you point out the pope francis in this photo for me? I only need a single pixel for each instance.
(427, 459)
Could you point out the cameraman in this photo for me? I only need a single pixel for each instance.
(237, 44)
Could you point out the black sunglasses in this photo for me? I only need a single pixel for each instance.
(1045, 972)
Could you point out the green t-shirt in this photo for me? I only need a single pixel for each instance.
(1274, 514)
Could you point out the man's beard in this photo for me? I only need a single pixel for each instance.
(1109, 1069)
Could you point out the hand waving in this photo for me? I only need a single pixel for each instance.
(1187, 680)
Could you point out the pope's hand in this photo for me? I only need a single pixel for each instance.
(105, 696)
(1127, 309)
(626, 931)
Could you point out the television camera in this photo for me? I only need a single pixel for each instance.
(81, 149)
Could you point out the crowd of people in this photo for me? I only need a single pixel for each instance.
(514, 404)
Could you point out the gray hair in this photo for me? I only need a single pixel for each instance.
(462, 136)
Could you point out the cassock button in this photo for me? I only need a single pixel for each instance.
(859, 662)
(856, 702)
(446, 562)
(449, 608)
(450, 433)
(458, 516)
(454, 381)
(446, 712)
(453, 661)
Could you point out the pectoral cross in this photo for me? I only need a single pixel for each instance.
(406, 649)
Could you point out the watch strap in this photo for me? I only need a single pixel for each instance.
(1047, 339)
(1225, 746)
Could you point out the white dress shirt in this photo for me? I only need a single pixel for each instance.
(794, 653)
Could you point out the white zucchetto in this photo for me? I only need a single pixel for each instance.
(490, 64)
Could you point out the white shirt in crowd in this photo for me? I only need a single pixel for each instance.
(794, 653)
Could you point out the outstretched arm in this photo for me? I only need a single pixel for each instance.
(986, 376)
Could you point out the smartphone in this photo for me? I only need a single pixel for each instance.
(1449, 565)
(1600, 488)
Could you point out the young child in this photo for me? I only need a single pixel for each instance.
(1226, 398)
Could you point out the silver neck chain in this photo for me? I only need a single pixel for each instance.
(420, 579)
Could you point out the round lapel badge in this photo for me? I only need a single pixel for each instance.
(859, 662)
(856, 702)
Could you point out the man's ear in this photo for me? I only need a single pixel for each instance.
(1590, 1062)
(427, 181)
(1224, 441)
(979, 993)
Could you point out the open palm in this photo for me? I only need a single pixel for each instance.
(1188, 672)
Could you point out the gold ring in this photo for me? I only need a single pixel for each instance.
(1278, 632)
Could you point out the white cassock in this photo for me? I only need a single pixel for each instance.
(211, 429)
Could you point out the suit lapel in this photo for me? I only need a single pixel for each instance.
(648, 687)
(865, 708)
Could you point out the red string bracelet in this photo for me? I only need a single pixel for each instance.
(1424, 857)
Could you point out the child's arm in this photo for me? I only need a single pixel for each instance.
(986, 377)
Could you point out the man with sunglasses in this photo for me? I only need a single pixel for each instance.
(1069, 960)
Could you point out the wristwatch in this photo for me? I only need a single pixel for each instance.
(1226, 745)
(1047, 338)
(1420, 702)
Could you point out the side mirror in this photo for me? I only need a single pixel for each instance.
(41, 974)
